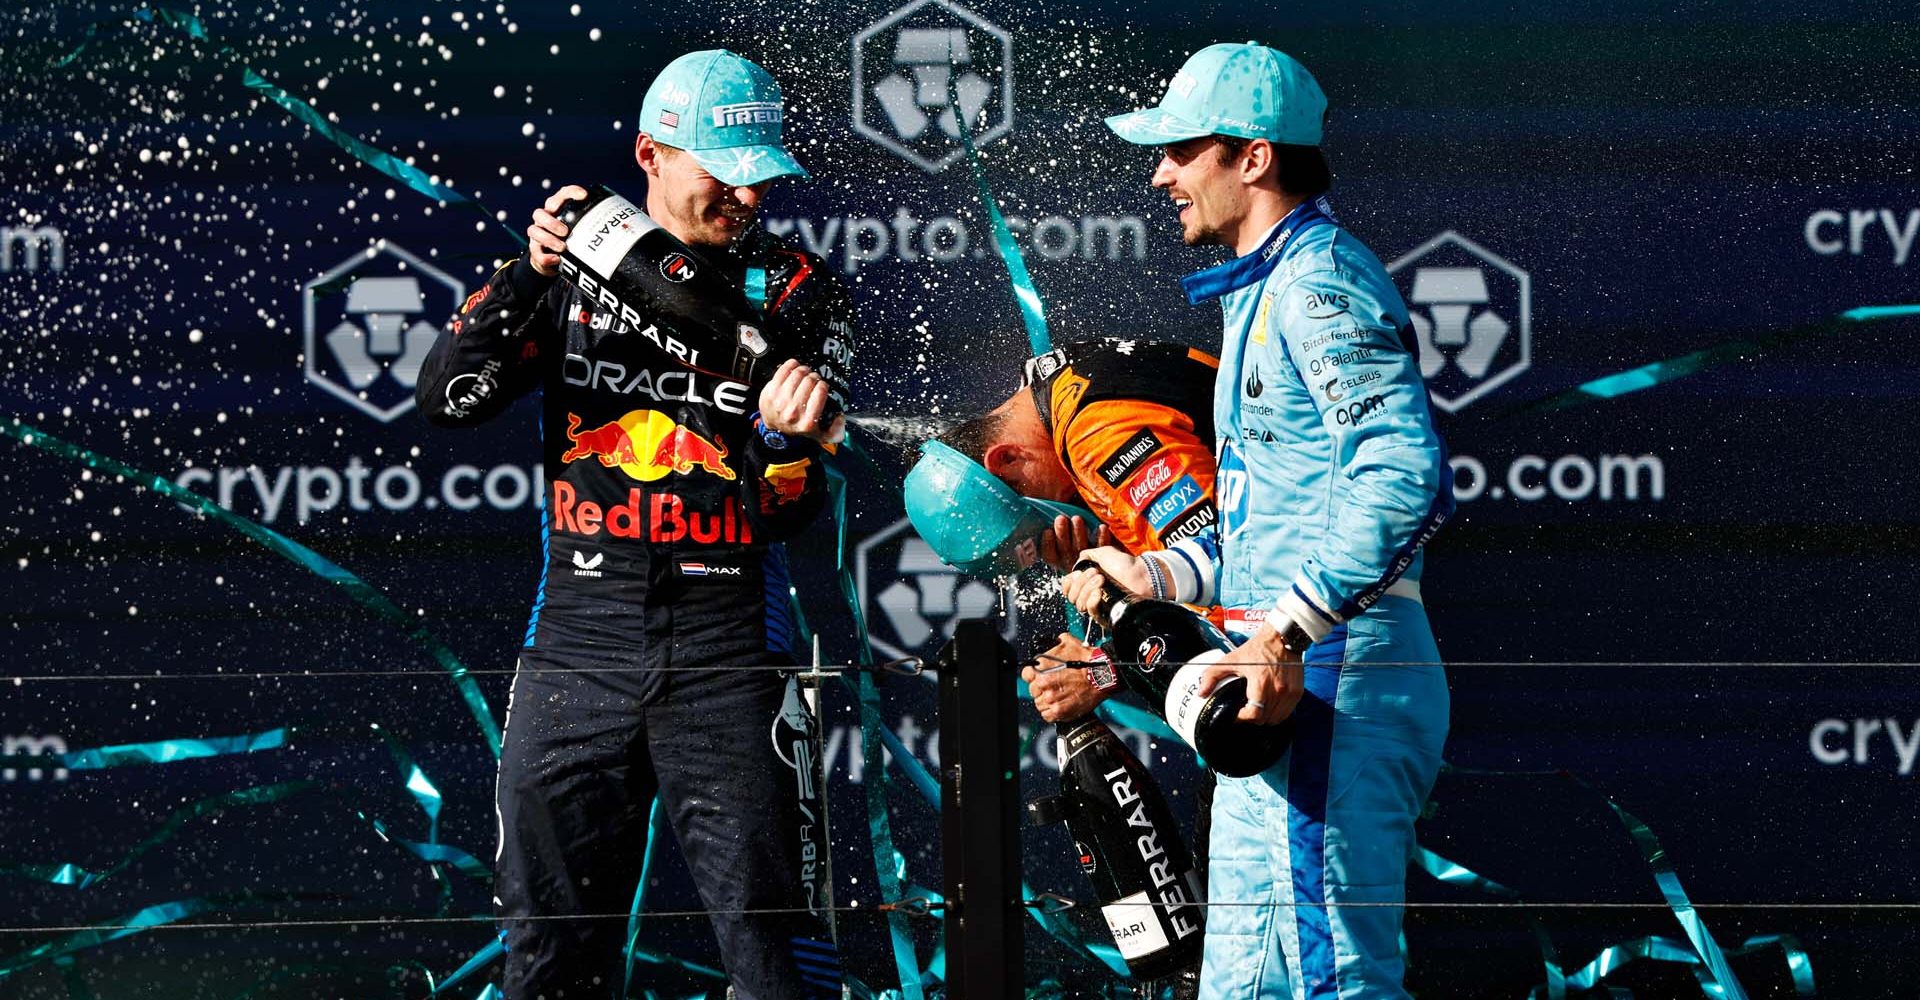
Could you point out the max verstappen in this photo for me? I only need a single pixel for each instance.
(650, 664)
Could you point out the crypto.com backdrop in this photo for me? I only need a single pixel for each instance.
(1695, 598)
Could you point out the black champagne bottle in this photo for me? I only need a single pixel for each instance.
(623, 260)
(1130, 849)
(1160, 649)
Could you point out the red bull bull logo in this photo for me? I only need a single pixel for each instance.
(787, 481)
(681, 450)
(647, 445)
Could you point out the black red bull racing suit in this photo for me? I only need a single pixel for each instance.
(662, 605)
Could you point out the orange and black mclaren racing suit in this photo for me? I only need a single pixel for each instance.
(661, 607)
(1133, 423)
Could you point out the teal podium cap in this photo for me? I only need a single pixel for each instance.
(972, 519)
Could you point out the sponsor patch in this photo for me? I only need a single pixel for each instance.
(708, 569)
(1116, 467)
(1182, 494)
(1198, 519)
(1151, 479)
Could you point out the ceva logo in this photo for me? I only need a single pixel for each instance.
(902, 67)
(1473, 312)
(368, 324)
(912, 601)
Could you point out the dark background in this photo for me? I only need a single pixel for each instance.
(1653, 173)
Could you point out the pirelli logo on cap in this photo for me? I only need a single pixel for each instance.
(1117, 466)
(749, 113)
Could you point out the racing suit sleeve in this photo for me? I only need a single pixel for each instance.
(1157, 500)
(786, 481)
(1373, 403)
(492, 352)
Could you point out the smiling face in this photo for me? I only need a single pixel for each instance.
(689, 202)
(1205, 179)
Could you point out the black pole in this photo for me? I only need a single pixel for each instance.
(979, 814)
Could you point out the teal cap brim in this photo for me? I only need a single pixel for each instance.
(1155, 127)
(745, 166)
(972, 519)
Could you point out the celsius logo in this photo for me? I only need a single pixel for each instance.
(368, 324)
(1472, 311)
(912, 599)
(908, 66)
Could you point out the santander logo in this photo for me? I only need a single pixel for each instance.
(1151, 480)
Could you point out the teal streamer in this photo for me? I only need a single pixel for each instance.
(1661, 372)
(362, 592)
(1033, 314)
(81, 878)
(879, 825)
(379, 159)
(1662, 949)
(1715, 977)
(156, 752)
(137, 922)
(1456, 874)
(490, 992)
(656, 830)
(1722, 983)
(480, 960)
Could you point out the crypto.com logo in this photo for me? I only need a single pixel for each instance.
(1473, 312)
(901, 67)
(912, 600)
(369, 323)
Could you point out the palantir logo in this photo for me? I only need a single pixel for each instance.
(1473, 312)
(911, 599)
(369, 323)
(902, 65)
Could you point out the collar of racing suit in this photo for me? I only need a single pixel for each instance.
(1254, 266)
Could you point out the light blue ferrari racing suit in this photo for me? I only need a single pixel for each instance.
(1332, 477)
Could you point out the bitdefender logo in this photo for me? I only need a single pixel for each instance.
(909, 66)
(369, 322)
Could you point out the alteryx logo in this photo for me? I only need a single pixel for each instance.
(1473, 313)
(902, 67)
(369, 322)
(912, 600)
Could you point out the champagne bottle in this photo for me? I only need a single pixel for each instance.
(623, 260)
(1129, 847)
(1160, 650)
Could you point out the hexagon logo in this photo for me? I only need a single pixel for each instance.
(1473, 313)
(368, 324)
(912, 600)
(902, 65)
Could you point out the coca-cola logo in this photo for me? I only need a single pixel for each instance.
(1150, 481)
(1152, 649)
